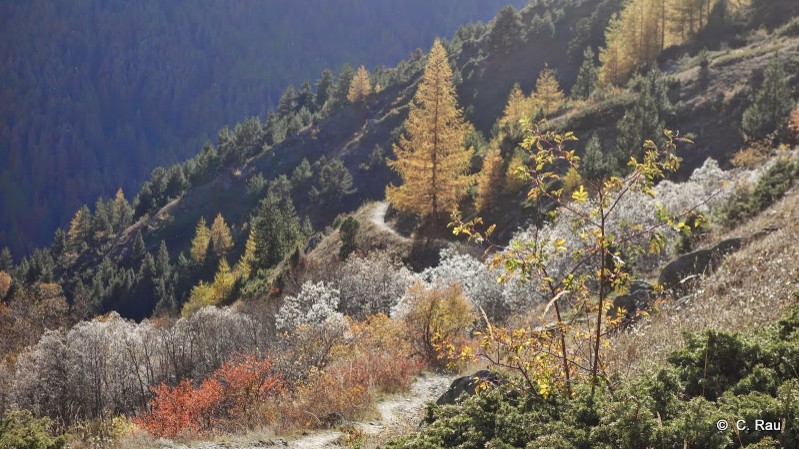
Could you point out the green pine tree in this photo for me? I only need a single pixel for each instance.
(771, 105)
(646, 118)
(587, 76)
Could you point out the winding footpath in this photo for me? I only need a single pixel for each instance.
(399, 413)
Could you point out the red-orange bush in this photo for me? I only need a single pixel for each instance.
(229, 397)
(793, 124)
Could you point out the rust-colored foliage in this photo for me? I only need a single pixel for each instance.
(229, 397)
(793, 124)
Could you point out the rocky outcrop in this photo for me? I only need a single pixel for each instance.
(676, 276)
(467, 385)
(638, 298)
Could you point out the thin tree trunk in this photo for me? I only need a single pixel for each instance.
(602, 293)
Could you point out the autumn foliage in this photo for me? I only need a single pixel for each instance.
(248, 391)
(227, 398)
(793, 124)
(376, 360)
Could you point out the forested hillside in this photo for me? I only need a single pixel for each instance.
(586, 209)
(98, 93)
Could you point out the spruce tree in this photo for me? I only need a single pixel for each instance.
(306, 98)
(325, 88)
(277, 229)
(139, 248)
(431, 157)
(587, 76)
(6, 260)
(506, 33)
(646, 118)
(348, 230)
(343, 84)
(771, 104)
(595, 164)
(287, 104)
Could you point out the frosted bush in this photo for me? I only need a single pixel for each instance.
(707, 187)
(371, 285)
(214, 334)
(479, 284)
(316, 304)
(108, 365)
(632, 219)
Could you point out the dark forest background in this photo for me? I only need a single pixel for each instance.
(94, 94)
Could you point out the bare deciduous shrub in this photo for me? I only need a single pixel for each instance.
(371, 285)
(315, 304)
(480, 286)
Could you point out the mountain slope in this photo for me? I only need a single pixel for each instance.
(98, 93)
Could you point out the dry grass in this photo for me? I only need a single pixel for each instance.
(370, 238)
(752, 288)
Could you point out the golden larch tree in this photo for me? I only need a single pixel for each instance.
(221, 240)
(199, 245)
(490, 181)
(248, 258)
(517, 108)
(431, 157)
(615, 67)
(547, 91)
(360, 87)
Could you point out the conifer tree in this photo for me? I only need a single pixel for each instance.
(348, 230)
(646, 119)
(325, 88)
(597, 166)
(139, 248)
(287, 104)
(6, 260)
(431, 158)
(343, 84)
(102, 219)
(306, 98)
(771, 104)
(199, 245)
(587, 76)
(80, 229)
(517, 108)
(277, 229)
(490, 181)
(360, 87)
(248, 258)
(506, 33)
(223, 282)
(614, 68)
(121, 211)
(547, 90)
(221, 240)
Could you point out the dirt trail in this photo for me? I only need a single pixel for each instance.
(379, 219)
(399, 414)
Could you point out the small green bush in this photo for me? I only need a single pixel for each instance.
(717, 375)
(770, 188)
(20, 430)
